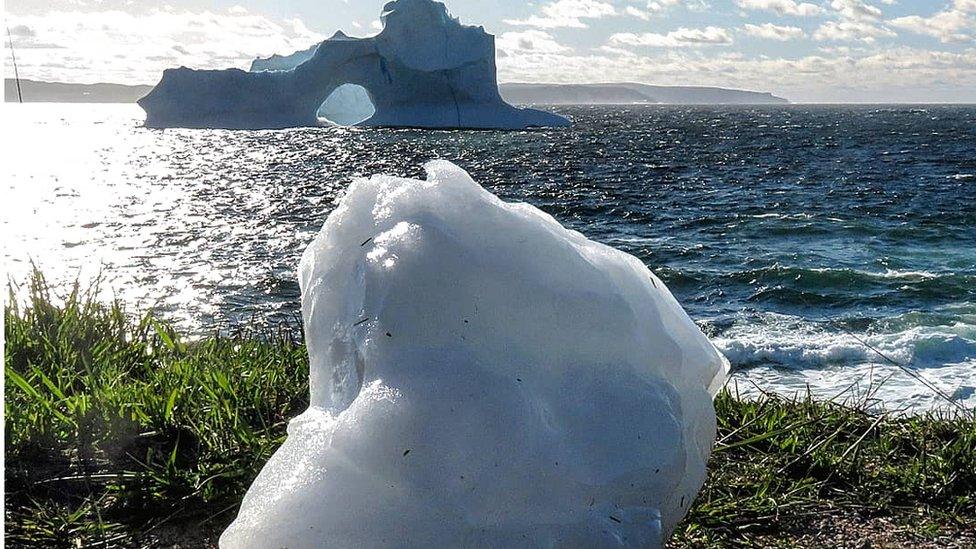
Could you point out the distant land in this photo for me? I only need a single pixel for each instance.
(58, 92)
(552, 94)
(628, 93)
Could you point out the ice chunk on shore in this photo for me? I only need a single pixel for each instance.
(482, 376)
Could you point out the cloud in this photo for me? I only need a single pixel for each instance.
(770, 31)
(698, 5)
(782, 7)
(851, 31)
(656, 7)
(683, 37)
(117, 46)
(566, 13)
(965, 5)
(535, 41)
(638, 13)
(856, 10)
(954, 25)
(858, 22)
(836, 50)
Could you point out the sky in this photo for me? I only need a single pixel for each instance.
(804, 50)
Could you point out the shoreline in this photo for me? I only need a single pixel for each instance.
(119, 431)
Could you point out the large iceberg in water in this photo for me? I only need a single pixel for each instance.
(424, 69)
(482, 376)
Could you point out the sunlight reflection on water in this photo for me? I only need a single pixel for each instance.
(178, 220)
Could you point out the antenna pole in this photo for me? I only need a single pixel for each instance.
(13, 57)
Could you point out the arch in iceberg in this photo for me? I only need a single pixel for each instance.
(347, 105)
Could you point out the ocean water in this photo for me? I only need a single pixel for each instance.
(806, 241)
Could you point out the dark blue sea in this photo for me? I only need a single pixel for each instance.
(806, 241)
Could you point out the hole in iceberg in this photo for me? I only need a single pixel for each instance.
(347, 105)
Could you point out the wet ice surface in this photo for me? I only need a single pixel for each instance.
(775, 227)
(481, 376)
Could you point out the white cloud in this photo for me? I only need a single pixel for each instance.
(617, 52)
(698, 5)
(655, 7)
(782, 7)
(835, 50)
(965, 5)
(851, 31)
(954, 25)
(638, 13)
(856, 10)
(858, 22)
(566, 13)
(770, 31)
(682, 37)
(116, 46)
(535, 41)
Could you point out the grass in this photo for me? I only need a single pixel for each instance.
(115, 424)
(788, 472)
(119, 432)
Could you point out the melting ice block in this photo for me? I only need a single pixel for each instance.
(482, 376)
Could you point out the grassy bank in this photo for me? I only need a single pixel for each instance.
(119, 433)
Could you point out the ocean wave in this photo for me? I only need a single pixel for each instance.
(778, 286)
(842, 286)
(795, 343)
(839, 276)
(878, 387)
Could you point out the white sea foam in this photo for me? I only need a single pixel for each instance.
(787, 354)
(911, 275)
(481, 376)
(806, 347)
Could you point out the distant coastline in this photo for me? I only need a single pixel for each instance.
(35, 91)
(623, 93)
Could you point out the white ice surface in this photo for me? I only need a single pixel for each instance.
(482, 376)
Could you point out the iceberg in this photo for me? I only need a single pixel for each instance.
(424, 69)
(482, 376)
(288, 62)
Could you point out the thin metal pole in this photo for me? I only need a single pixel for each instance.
(20, 96)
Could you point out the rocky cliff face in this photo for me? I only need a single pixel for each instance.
(424, 69)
